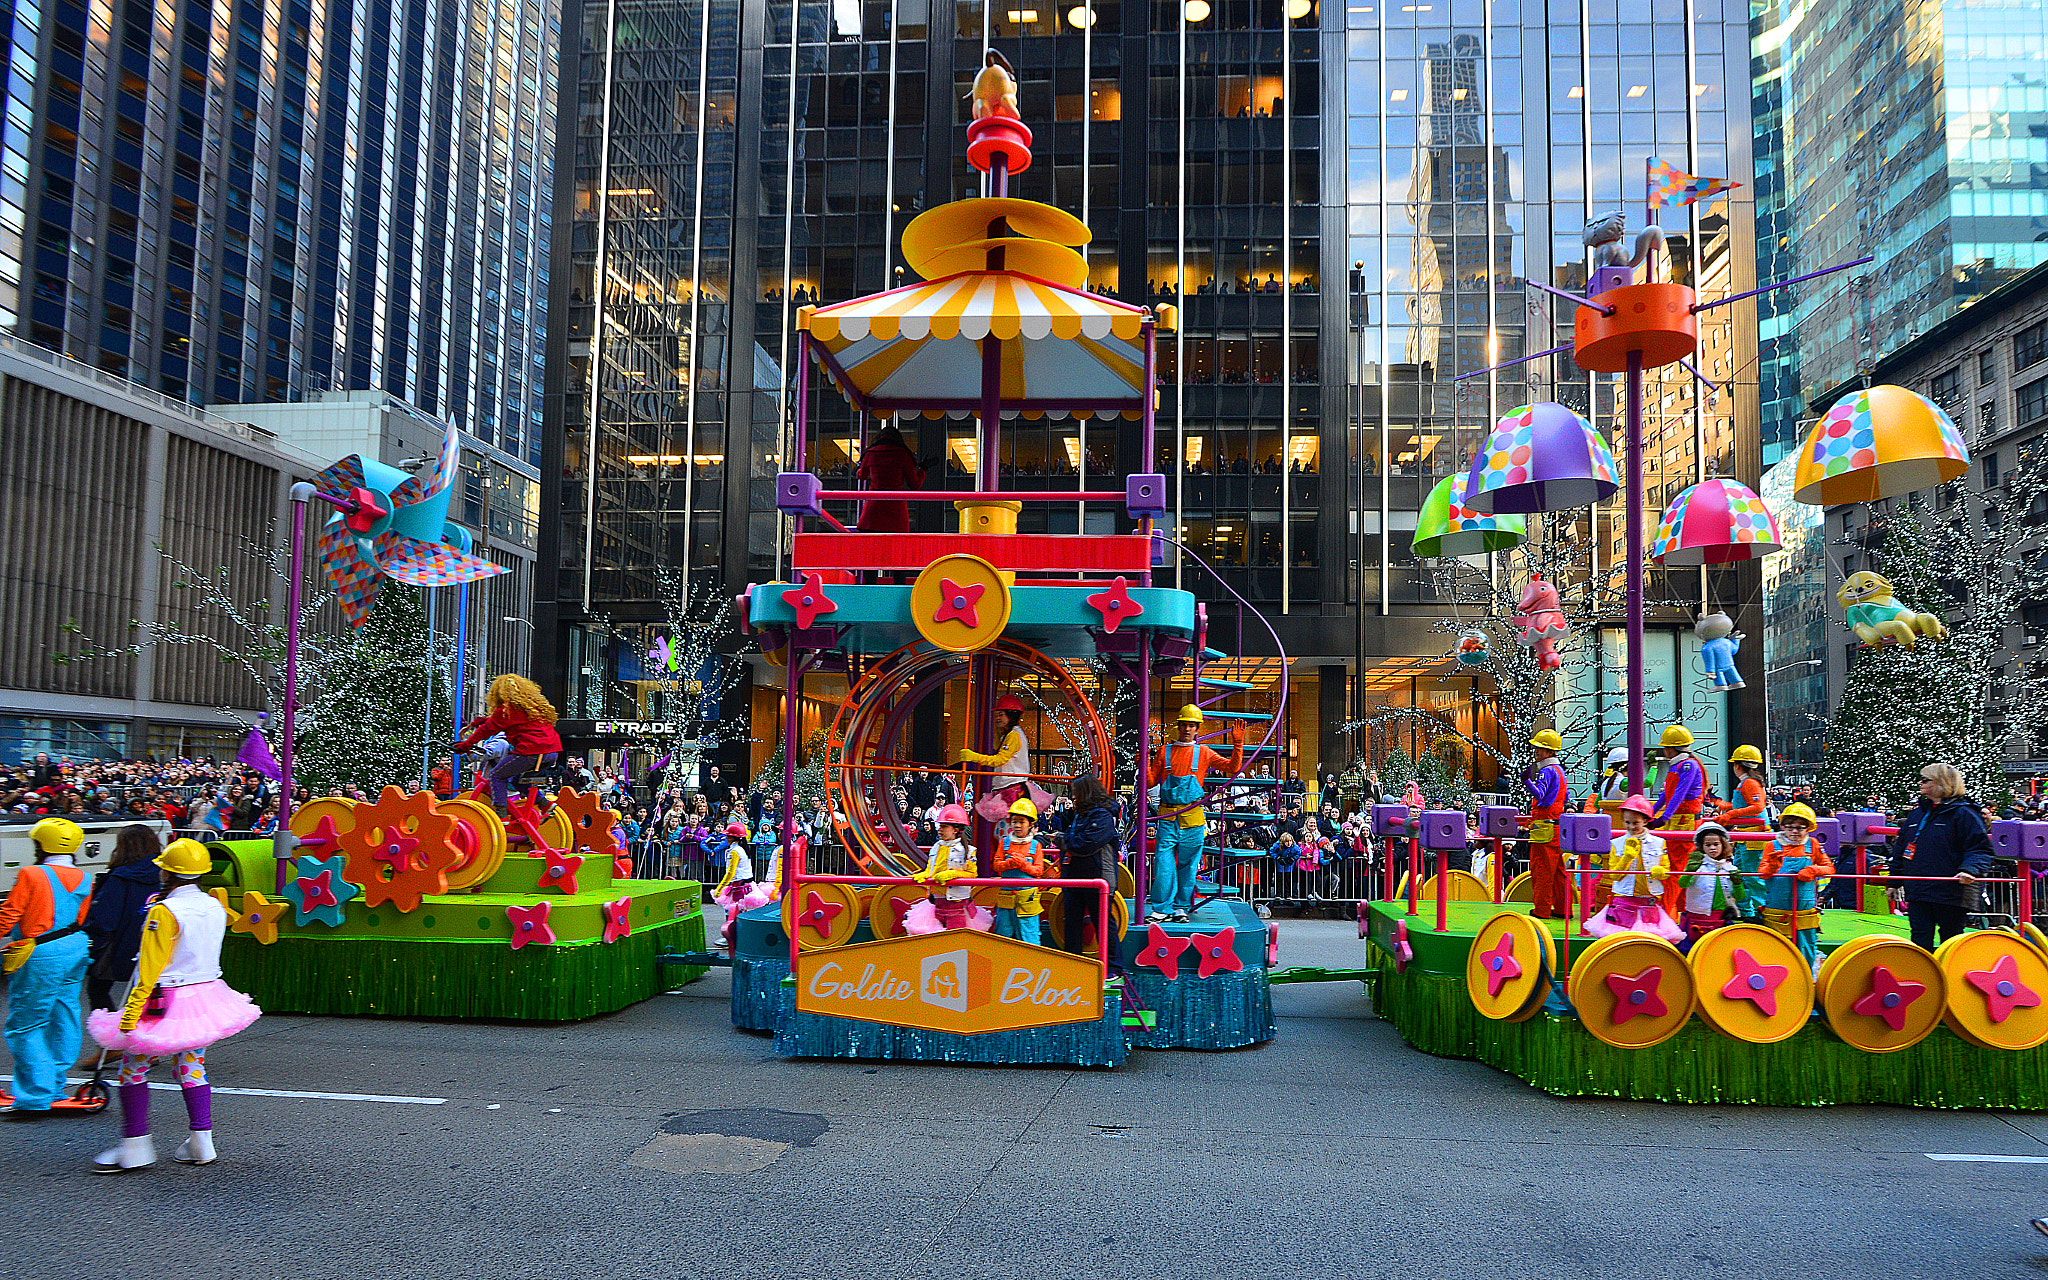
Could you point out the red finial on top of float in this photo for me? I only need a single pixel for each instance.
(996, 129)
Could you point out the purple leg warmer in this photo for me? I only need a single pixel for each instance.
(135, 1110)
(199, 1105)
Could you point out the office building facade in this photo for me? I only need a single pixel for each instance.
(1342, 203)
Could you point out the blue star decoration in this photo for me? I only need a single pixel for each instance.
(319, 892)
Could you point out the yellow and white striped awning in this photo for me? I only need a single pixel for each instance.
(917, 350)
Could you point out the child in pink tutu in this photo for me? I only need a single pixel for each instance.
(951, 859)
(1636, 868)
(177, 1007)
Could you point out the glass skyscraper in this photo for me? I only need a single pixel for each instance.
(1342, 202)
(241, 202)
(1917, 133)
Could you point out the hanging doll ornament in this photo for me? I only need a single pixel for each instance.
(1719, 643)
(1878, 619)
(1541, 617)
(1471, 650)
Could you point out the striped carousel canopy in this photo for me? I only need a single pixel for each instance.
(917, 350)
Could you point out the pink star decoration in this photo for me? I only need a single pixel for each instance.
(317, 891)
(325, 836)
(956, 601)
(530, 924)
(1500, 964)
(1403, 952)
(616, 925)
(1115, 605)
(2002, 988)
(1217, 951)
(808, 599)
(1755, 982)
(368, 511)
(1637, 994)
(560, 874)
(1889, 997)
(1162, 950)
(398, 854)
(818, 914)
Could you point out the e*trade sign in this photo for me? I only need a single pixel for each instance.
(958, 980)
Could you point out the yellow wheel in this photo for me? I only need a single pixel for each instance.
(960, 603)
(1055, 919)
(821, 915)
(2032, 933)
(1126, 883)
(887, 907)
(1996, 981)
(480, 834)
(1463, 887)
(1632, 990)
(1519, 890)
(1549, 943)
(306, 820)
(1881, 994)
(1507, 968)
(554, 828)
(1752, 983)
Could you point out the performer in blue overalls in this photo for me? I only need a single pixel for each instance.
(43, 920)
(1180, 770)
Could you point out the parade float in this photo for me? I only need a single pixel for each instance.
(1841, 1008)
(410, 905)
(1002, 327)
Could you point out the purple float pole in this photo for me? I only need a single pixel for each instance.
(1141, 833)
(282, 842)
(1634, 391)
(792, 683)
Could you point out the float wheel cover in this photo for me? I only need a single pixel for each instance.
(821, 915)
(1741, 958)
(1506, 968)
(1518, 890)
(960, 603)
(1055, 919)
(480, 834)
(1463, 887)
(307, 817)
(1632, 990)
(886, 908)
(1850, 977)
(1992, 976)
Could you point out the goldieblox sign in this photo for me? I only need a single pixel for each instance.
(959, 980)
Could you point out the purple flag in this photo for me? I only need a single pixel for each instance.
(255, 753)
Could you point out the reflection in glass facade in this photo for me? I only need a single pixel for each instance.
(1915, 132)
(242, 202)
(1342, 202)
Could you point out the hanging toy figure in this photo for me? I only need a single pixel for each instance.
(1471, 649)
(46, 955)
(1751, 814)
(951, 859)
(1719, 643)
(1794, 862)
(1877, 619)
(178, 1007)
(1708, 884)
(1019, 857)
(1547, 801)
(1541, 618)
(1685, 793)
(1636, 870)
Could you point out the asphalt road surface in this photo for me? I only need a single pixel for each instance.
(661, 1143)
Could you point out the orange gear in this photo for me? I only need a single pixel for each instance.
(400, 849)
(591, 825)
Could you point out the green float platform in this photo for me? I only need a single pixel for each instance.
(1428, 1003)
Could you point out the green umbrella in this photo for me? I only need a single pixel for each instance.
(1447, 527)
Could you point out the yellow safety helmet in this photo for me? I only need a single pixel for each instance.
(185, 858)
(1799, 811)
(1675, 735)
(1547, 739)
(1190, 714)
(1745, 755)
(1024, 809)
(57, 835)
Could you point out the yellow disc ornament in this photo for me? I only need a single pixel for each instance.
(1997, 982)
(960, 603)
(306, 820)
(1055, 919)
(480, 834)
(1508, 969)
(1752, 983)
(890, 904)
(821, 915)
(1463, 886)
(1881, 994)
(1519, 890)
(1632, 990)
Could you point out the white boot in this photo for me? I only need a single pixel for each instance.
(197, 1149)
(129, 1153)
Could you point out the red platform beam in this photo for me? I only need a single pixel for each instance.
(1018, 552)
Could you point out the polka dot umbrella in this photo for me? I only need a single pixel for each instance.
(1714, 522)
(1447, 527)
(1879, 443)
(1540, 457)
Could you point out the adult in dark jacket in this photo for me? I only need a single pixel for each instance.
(1091, 854)
(113, 923)
(1944, 838)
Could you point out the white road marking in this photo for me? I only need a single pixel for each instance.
(1975, 1159)
(111, 1084)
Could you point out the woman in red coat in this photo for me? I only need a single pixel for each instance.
(887, 463)
(516, 708)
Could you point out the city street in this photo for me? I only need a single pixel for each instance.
(661, 1143)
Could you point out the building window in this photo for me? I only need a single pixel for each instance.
(1946, 387)
(1987, 367)
(1991, 470)
(2029, 345)
(2030, 403)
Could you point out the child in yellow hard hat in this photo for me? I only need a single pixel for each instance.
(1019, 857)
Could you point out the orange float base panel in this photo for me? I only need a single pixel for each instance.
(1655, 319)
(1026, 552)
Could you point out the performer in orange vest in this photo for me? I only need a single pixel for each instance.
(1753, 814)
(1547, 799)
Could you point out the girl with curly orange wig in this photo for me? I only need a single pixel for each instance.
(517, 708)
